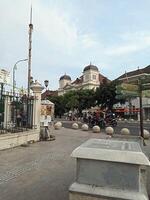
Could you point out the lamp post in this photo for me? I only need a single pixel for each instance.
(15, 68)
(46, 83)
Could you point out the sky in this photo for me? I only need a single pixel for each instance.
(114, 35)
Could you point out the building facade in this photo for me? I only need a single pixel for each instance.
(91, 79)
(133, 104)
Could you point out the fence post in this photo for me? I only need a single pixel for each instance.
(7, 112)
(37, 89)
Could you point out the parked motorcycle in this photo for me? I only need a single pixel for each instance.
(111, 122)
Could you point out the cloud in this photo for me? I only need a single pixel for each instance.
(130, 43)
(55, 27)
(88, 41)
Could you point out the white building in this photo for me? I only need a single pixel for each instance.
(91, 79)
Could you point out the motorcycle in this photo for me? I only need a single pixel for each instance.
(99, 122)
(111, 122)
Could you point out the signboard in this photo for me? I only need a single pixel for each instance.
(4, 76)
(129, 87)
(146, 86)
(146, 93)
(130, 93)
(120, 96)
(46, 110)
(146, 79)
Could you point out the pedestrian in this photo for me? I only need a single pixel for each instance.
(18, 118)
(46, 126)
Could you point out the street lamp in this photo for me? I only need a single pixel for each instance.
(46, 82)
(15, 68)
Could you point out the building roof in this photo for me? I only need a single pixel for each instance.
(49, 93)
(66, 77)
(136, 72)
(103, 79)
(78, 80)
(90, 67)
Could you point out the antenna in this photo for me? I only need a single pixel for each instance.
(31, 15)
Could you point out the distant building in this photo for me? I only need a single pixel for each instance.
(134, 104)
(134, 75)
(91, 79)
(49, 93)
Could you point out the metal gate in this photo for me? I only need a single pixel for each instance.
(16, 112)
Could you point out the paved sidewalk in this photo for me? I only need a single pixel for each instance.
(42, 171)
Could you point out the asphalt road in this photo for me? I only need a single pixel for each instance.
(134, 127)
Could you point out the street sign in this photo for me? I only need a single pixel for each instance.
(146, 86)
(146, 93)
(145, 79)
(130, 93)
(4, 76)
(120, 96)
(129, 87)
(127, 90)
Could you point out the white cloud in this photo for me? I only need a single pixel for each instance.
(88, 41)
(131, 43)
(55, 27)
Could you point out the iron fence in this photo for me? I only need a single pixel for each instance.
(16, 112)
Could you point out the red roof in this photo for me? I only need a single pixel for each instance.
(49, 93)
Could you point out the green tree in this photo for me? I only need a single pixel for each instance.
(59, 105)
(106, 95)
(86, 99)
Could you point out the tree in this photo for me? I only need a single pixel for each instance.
(59, 105)
(106, 95)
(86, 99)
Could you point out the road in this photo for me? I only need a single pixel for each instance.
(44, 170)
(134, 127)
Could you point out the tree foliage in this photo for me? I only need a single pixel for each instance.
(104, 96)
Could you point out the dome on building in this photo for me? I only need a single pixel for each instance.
(90, 66)
(66, 77)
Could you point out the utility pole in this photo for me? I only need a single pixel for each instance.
(141, 111)
(29, 69)
(30, 48)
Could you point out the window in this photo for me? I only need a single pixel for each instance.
(86, 77)
(94, 77)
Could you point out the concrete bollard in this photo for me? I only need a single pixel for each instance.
(146, 134)
(131, 120)
(85, 127)
(109, 130)
(125, 131)
(75, 126)
(96, 129)
(58, 125)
